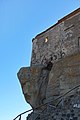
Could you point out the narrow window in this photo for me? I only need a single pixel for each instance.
(46, 39)
(78, 41)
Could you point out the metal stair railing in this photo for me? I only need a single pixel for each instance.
(19, 116)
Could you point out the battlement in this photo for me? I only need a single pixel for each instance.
(60, 40)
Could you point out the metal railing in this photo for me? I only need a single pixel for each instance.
(19, 116)
(47, 103)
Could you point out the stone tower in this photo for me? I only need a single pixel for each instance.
(54, 69)
(60, 40)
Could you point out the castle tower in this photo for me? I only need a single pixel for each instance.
(53, 78)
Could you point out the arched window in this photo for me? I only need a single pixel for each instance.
(46, 39)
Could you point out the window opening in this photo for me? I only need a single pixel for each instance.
(78, 41)
(46, 39)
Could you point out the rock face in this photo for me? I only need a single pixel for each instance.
(34, 81)
(54, 71)
(64, 75)
(39, 84)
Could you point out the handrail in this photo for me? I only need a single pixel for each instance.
(22, 114)
(68, 92)
(47, 103)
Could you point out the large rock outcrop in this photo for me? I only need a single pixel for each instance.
(64, 75)
(40, 85)
(34, 82)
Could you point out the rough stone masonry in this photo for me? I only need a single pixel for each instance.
(54, 70)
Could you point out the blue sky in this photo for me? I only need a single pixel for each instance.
(20, 21)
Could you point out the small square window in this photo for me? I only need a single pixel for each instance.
(46, 39)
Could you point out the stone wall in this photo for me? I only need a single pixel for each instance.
(59, 41)
(69, 109)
